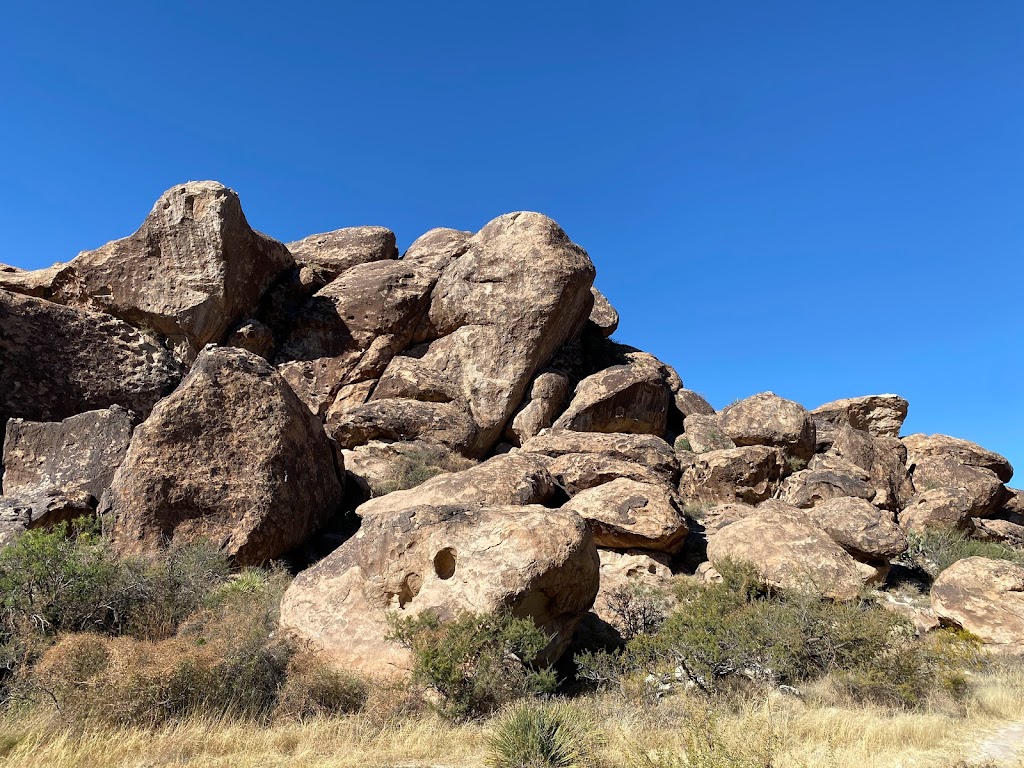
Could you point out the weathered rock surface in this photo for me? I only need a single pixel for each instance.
(403, 419)
(232, 456)
(810, 487)
(987, 493)
(253, 336)
(628, 514)
(603, 317)
(576, 472)
(39, 507)
(767, 419)
(942, 447)
(632, 398)
(509, 480)
(547, 396)
(193, 269)
(535, 561)
(789, 554)
(380, 468)
(80, 453)
(631, 569)
(878, 415)
(750, 474)
(704, 433)
(331, 253)
(883, 458)
(89, 361)
(940, 509)
(36, 282)
(985, 597)
(688, 402)
(999, 530)
(859, 527)
(648, 451)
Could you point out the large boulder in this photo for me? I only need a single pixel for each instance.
(767, 419)
(628, 514)
(194, 269)
(576, 472)
(632, 398)
(647, 451)
(41, 507)
(985, 597)
(537, 562)
(627, 573)
(603, 317)
(688, 403)
(80, 453)
(859, 527)
(331, 253)
(922, 448)
(789, 554)
(548, 395)
(498, 312)
(402, 419)
(883, 458)
(987, 493)
(58, 361)
(939, 509)
(750, 474)
(232, 456)
(878, 415)
(509, 480)
(811, 487)
(703, 433)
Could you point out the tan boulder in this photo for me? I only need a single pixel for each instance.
(810, 487)
(943, 447)
(403, 419)
(232, 456)
(863, 530)
(939, 508)
(985, 597)
(534, 561)
(883, 458)
(688, 403)
(253, 336)
(648, 451)
(717, 516)
(509, 480)
(603, 317)
(576, 472)
(331, 253)
(767, 419)
(621, 571)
(789, 554)
(89, 361)
(194, 269)
(379, 468)
(41, 507)
(986, 491)
(547, 396)
(878, 415)
(627, 514)
(438, 248)
(704, 433)
(999, 530)
(749, 474)
(35, 282)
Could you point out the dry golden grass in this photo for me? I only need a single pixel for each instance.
(800, 734)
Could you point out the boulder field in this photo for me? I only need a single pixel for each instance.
(447, 429)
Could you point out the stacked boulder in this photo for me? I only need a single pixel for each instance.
(447, 429)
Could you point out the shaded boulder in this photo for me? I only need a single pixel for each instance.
(939, 509)
(688, 403)
(749, 474)
(88, 361)
(34, 282)
(547, 397)
(576, 472)
(999, 530)
(232, 456)
(41, 507)
(883, 458)
(403, 419)
(767, 419)
(628, 514)
(648, 451)
(331, 253)
(788, 554)
(810, 487)
(625, 576)
(438, 248)
(862, 529)
(632, 398)
(985, 597)
(921, 448)
(253, 336)
(379, 468)
(603, 317)
(194, 269)
(878, 415)
(536, 562)
(80, 453)
(509, 480)
(704, 433)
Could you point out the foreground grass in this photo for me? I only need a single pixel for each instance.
(635, 734)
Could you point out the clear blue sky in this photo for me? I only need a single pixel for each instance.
(824, 199)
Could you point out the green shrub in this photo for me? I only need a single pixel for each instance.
(415, 465)
(476, 662)
(542, 735)
(637, 608)
(935, 550)
(683, 444)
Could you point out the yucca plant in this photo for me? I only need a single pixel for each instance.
(542, 735)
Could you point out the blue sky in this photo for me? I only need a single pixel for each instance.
(821, 199)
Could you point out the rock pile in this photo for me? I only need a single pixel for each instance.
(464, 405)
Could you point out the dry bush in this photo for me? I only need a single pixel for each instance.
(313, 688)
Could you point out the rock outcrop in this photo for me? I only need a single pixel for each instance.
(878, 415)
(767, 419)
(629, 514)
(985, 597)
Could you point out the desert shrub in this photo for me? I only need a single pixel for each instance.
(934, 550)
(637, 608)
(313, 688)
(416, 465)
(476, 662)
(542, 735)
(682, 444)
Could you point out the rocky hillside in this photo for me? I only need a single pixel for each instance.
(448, 429)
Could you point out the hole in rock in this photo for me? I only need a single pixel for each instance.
(444, 563)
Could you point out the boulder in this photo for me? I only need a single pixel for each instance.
(942, 447)
(648, 451)
(331, 253)
(253, 336)
(537, 562)
(939, 508)
(767, 419)
(548, 394)
(438, 248)
(89, 361)
(403, 419)
(511, 480)
(811, 487)
(379, 468)
(883, 458)
(41, 507)
(987, 493)
(860, 528)
(603, 317)
(999, 530)
(232, 456)
(80, 453)
(985, 597)
(716, 517)
(36, 282)
(576, 472)
(789, 554)
(622, 571)
(688, 403)
(878, 415)
(628, 514)
(192, 270)
(498, 312)
(632, 398)
(749, 474)
(704, 433)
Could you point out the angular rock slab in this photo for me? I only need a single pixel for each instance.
(41, 507)
(750, 474)
(648, 451)
(576, 472)
(883, 458)
(537, 562)
(232, 456)
(704, 433)
(626, 514)
(987, 493)
(939, 509)
(622, 570)
(923, 447)
(810, 487)
(789, 554)
(985, 597)
(878, 415)
(767, 419)
(331, 253)
(57, 361)
(378, 466)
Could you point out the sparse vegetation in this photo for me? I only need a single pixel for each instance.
(417, 464)
(682, 444)
(543, 735)
(936, 549)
